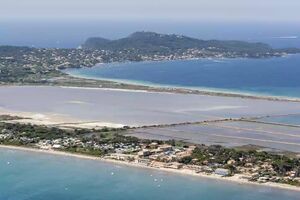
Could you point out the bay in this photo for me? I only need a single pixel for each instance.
(259, 77)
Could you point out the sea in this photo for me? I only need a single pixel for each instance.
(259, 77)
(37, 176)
(71, 33)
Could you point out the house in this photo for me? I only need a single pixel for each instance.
(56, 146)
(222, 172)
(156, 151)
(154, 157)
(174, 165)
(144, 153)
(123, 157)
(153, 145)
(165, 148)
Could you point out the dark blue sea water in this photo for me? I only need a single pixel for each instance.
(38, 176)
(271, 76)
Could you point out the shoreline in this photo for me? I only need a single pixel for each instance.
(234, 179)
(148, 86)
(183, 90)
(57, 120)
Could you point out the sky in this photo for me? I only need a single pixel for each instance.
(183, 10)
(68, 23)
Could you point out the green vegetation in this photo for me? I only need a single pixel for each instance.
(269, 164)
(85, 151)
(34, 131)
(147, 43)
(32, 65)
(26, 65)
(261, 166)
(8, 117)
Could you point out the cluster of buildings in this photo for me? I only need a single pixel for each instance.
(263, 172)
(22, 64)
(164, 155)
(61, 58)
(59, 143)
(34, 59)
(66, 142)
(4, 136)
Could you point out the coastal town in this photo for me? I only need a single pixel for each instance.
(254, 166)
(41, 66)
(149, 100)
(32, 64)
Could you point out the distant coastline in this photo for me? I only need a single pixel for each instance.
(29, 65)
(23, 69)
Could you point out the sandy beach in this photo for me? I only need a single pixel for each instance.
(235, 179)
(57, 120)
(92, 108)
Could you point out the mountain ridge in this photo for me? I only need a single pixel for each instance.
(143, 40)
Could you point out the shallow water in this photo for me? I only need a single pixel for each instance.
(135, 108)
(27, 175)
(229, 134)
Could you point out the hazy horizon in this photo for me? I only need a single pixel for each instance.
(213, 10)
(67, 23)
(70, 34)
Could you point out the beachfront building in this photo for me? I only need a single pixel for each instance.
(165, 147)
(222, 172)
(174, 165)
(144, 153)
(121, 157)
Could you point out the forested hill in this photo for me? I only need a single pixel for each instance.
(155, 42)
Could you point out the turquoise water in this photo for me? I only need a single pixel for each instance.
(26, 175)
(271, 77)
